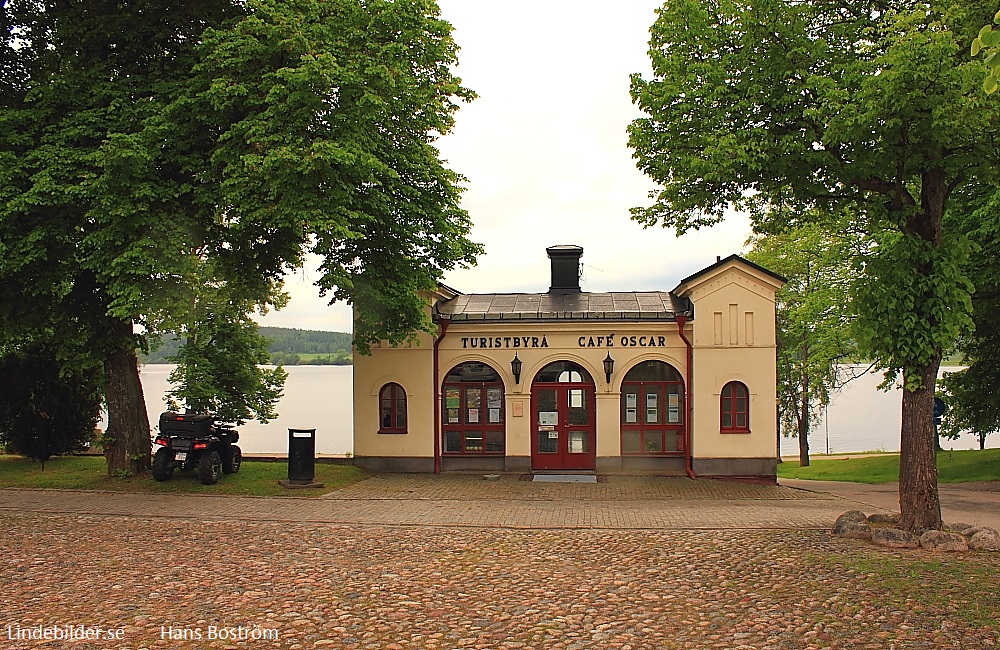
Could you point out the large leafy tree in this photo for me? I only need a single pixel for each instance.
(873, 107)
(970, 393)
(143, 143)
(813, 319)
(93, 221)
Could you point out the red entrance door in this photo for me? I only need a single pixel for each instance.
(563, 416)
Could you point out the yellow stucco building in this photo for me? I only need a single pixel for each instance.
(679, 382)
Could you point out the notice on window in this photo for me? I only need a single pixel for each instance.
(673, 400)
(630, 400)
(631, 415)
(493, 398)
(473, 416)
(673, 415)
(651, 416)
(494, 415)
(548, 418)
(651, 400)
(453, 416)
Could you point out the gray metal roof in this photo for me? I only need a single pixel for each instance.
(615, 306)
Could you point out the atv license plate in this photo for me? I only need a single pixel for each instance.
(181, 455)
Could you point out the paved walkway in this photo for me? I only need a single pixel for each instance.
(621, 502)
(972, 503)
(618, 502)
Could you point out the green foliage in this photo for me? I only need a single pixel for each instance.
(779, 108)
(969, 393)
(148, 150)
(328, 112)
(218, 367)
(305, 341)
(987, 43)
(813, 319)
(46, 410)
(906, 318)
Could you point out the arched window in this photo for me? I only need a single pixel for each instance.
(392, 409)
(473, 411)
(652, 410)
(735, 408)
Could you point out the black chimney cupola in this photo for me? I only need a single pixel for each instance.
(565, 268)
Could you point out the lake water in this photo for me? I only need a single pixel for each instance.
(315, 397)
(863, 418)
(860, 418)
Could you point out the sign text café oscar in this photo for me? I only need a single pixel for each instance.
(671, 382)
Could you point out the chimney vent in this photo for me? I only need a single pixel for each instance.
(565, 268)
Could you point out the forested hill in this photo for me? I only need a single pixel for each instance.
(288, 347)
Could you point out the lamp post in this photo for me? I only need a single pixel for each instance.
(609, 367)
(515, 368)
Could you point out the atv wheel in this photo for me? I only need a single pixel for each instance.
(209, 467)
(163, 465)
(232, 464)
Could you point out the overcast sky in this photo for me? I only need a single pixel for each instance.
(545, 152)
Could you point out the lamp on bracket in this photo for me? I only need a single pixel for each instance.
(609, 367)
(515, 368)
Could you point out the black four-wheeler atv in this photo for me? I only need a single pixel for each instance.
(189, 440)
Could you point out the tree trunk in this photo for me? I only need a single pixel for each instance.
(803, 419)
(803, 414)
(127, 446)
(919, 505)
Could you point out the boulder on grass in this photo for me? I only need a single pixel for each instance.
(895, 538)
(972, 530)
(985, 540)
(850, 518)
(939, 540)
(957, 527)
(884, 518)
(852, 524)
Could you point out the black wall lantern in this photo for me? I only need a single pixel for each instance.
(609, 367)
(515, 367)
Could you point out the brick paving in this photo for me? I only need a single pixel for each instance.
(401, 562)
(622, 502)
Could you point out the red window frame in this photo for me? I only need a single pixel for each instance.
(392, 404)
(734, 408)
(657, 436)
(464, 435)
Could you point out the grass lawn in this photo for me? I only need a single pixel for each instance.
(953, 467)
(90, 473)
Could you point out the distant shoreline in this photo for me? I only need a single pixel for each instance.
(302, 362)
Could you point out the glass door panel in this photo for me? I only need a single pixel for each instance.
(578, 411)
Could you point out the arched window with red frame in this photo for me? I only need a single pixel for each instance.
(392, 409)
(735, 408)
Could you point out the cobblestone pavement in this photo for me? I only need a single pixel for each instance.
(470, 564)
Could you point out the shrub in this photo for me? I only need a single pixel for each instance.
(45, 410)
